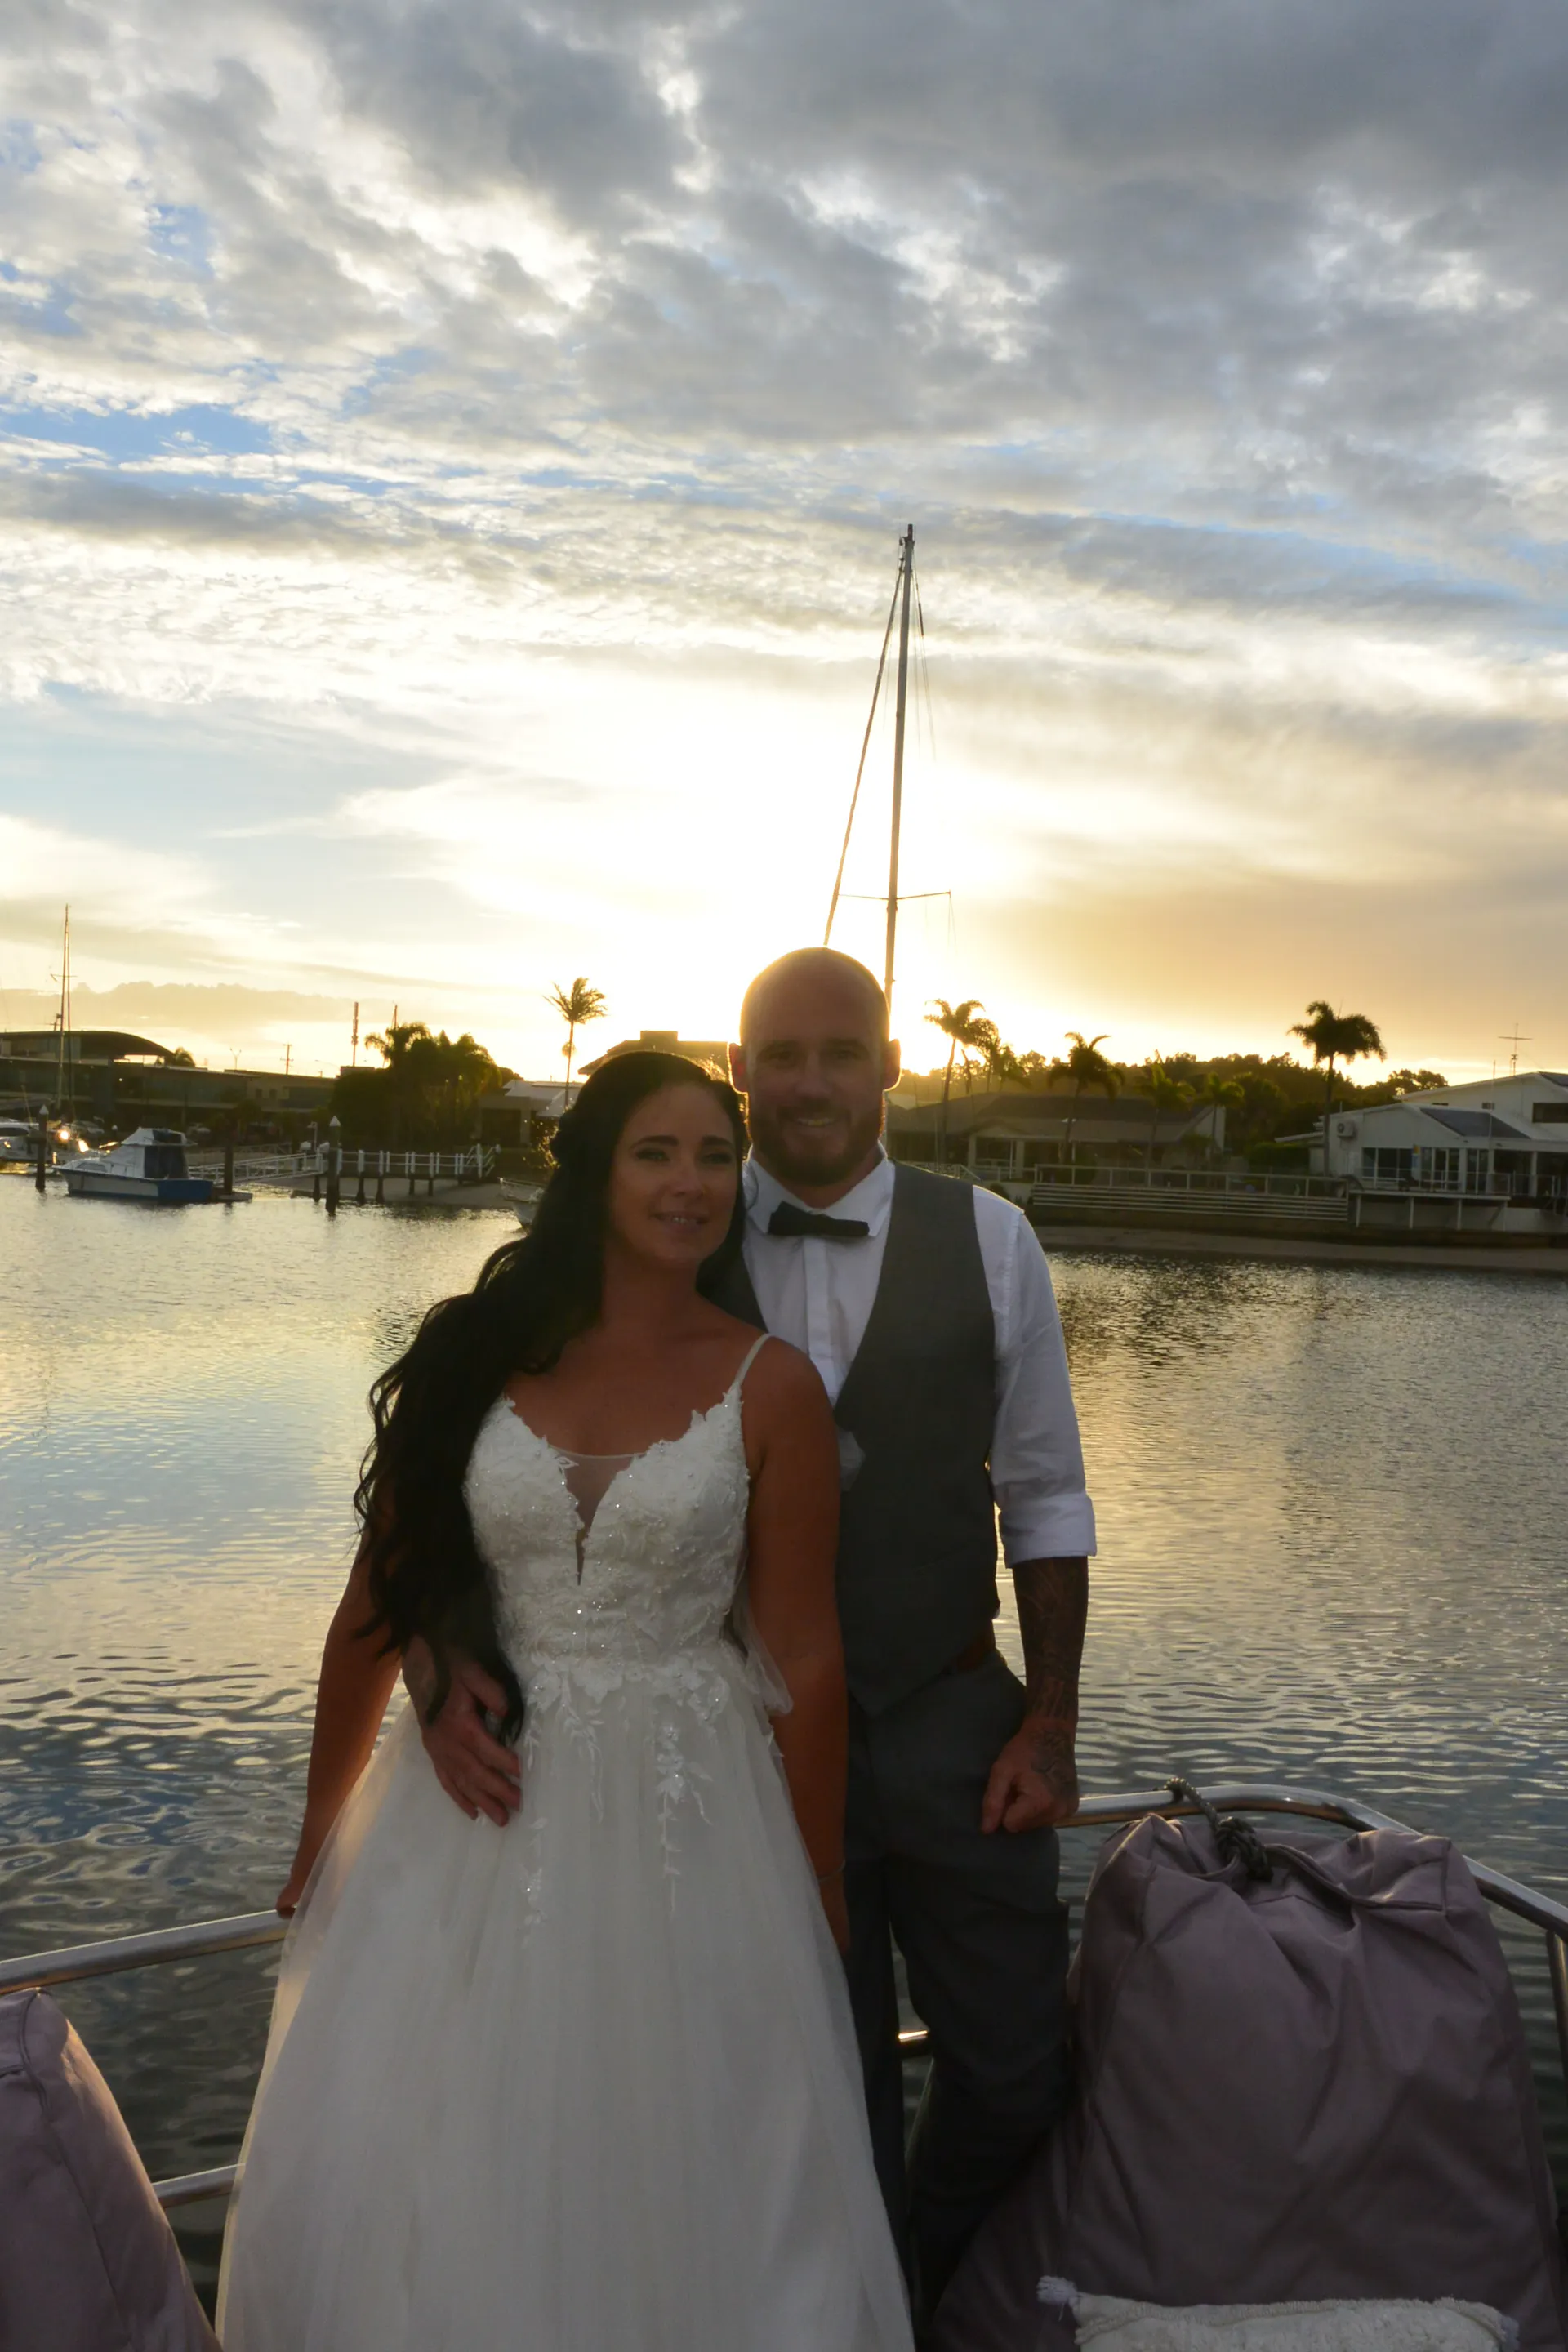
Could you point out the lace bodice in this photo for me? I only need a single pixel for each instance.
(659, 1560)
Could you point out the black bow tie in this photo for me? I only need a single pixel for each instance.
(787, 1219)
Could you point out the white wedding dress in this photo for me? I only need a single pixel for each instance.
(587, 2083)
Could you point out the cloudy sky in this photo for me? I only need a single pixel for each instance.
(454, 456)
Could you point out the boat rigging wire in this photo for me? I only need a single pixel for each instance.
(864, 746)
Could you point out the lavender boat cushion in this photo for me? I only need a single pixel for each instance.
(1313, 2087)
(88, 2262)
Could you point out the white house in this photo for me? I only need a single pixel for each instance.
(1493, 1140)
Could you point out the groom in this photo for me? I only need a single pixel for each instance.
(928, 1310)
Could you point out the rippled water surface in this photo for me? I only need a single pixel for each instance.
(1331, 1551)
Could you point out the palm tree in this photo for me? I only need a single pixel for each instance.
(426, 1089)
(1086, 1066)
(961, 1025)
(1217, 1093)
(1335, 1036)
(985, 1044)
(576, 1004)
(1166, 1093)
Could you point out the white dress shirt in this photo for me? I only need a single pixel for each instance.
(818, 1296)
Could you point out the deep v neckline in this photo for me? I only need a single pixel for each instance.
(559, 1455)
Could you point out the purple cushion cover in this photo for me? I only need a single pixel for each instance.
(88, 2262)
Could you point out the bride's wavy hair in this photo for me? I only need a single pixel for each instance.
(425, 1574)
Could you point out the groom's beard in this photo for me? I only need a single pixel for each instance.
(798, 1156)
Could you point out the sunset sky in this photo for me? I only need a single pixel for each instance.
(453, 458)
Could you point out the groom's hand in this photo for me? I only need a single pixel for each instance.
(478, 1771)
(1034, 1781)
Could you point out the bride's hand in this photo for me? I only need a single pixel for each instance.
(288, 1902)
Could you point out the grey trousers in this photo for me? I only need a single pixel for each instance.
(984, 1943)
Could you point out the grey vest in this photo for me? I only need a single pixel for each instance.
(917, 1538)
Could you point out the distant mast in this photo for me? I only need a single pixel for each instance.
(900, 607)
(65, 1076)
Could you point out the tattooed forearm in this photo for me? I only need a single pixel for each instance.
(1053, 1609)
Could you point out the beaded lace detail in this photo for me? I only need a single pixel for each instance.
(660, 1558)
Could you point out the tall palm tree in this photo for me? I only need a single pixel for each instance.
(1085, 1066)
(1335, 1036)
(1217, 1093)
(961, 1025)
(1165, 1094)
(576, 1006)
(986, 1046)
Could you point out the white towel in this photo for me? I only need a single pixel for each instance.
(1112, 2324)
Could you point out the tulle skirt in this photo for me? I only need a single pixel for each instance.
(587, 2083)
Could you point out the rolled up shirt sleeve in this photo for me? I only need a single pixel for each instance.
(1037, 1456)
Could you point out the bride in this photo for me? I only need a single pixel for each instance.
(588, 2085)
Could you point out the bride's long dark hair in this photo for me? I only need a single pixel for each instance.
(534, 1294)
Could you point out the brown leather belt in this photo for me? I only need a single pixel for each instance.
(975, 1655)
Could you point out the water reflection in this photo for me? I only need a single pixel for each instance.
(1331, 1551)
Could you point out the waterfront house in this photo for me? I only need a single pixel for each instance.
(1003, 1137)
(1492, 1153)
(510, 1119)
(1493, 1137)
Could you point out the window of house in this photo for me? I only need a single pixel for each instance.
(1551, 1114)
(1437, 1165)
(1386, 1164)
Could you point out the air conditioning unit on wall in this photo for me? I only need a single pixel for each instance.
(1345, 1129)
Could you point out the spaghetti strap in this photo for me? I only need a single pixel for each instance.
(752, 1353)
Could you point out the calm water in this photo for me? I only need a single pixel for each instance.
(1331, 1542)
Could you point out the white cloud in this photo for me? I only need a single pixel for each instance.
(541, 393)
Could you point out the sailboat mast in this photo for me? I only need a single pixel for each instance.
(906, 565)
(62, 1070)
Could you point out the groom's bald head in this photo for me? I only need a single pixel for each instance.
(814, 1063)
(819, 972)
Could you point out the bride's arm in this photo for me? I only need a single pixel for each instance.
(791, 1536)
(351, 1699)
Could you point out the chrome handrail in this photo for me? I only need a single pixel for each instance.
(74, 1962)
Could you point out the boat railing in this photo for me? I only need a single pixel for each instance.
(72, 1964)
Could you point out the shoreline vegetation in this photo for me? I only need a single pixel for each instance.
(1271, 1102)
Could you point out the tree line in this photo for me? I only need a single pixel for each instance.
(1263, 1095)
(424, 1097)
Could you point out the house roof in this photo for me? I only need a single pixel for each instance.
(1092, 1117)
(664, 1041)
(1472, 1122)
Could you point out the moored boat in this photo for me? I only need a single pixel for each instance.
(150, 1165)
